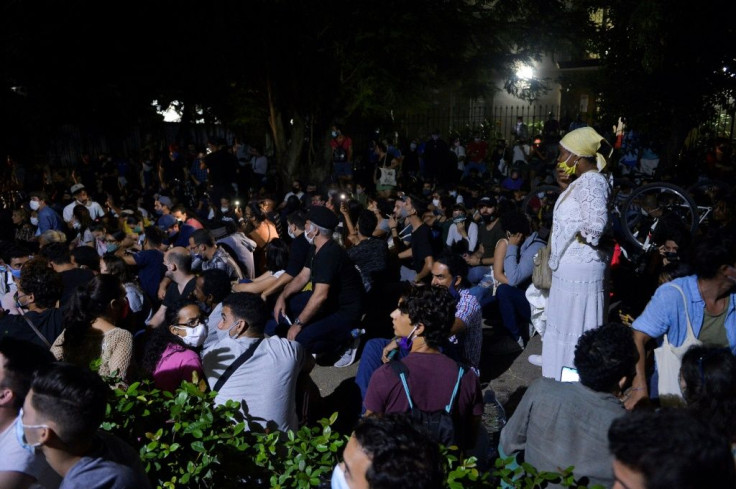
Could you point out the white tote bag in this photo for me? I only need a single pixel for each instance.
(669, 361)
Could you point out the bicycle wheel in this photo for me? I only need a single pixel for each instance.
(649, 206)
(539, 200)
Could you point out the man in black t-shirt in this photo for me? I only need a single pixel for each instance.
(178, 263)
(421, 252)
(297, 253)
(321, 319)
(72, 276)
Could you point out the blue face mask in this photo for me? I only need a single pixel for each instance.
(405, 343)
(112, 247)
(453, 291)
(21, 436)
(15, 273)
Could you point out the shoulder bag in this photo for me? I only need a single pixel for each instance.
(669, 361)
(236, 364)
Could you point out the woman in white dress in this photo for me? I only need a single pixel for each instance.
(577, 297)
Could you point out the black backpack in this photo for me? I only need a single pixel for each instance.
(440, 424)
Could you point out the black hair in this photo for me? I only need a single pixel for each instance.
(277, 255)
(116, 266)
(402, 455)
(515, 222)
(57, 253)
(81, 214)
(298, 218)
(216, 283)
(43, 282)
(709, 374)
(434, 307)
(672, 450)
(73, 397)
(249, 307)
(256, 211)
(89, 302)
(154, 235)
(604, 355)
(712, 252)
(367, 222)
(86, 256)
(22, 358)
(293, 204)
(15, 252)
(202, 237)
(457, 266)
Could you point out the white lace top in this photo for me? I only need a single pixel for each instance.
(580, 219)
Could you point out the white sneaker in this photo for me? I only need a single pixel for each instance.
(348, 357)
(535, 360)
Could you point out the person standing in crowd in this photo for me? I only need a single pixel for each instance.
(81, 197)
(47, 217)
(578, 256)
(342, 155)
(437, 159)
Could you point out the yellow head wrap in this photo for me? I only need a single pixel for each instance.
(586, 142)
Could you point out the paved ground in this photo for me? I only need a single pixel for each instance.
(504, 369)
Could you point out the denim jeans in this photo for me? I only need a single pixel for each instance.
(514, 308)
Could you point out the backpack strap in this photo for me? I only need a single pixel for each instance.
(236, 364)
(460, 373)
(400, 369)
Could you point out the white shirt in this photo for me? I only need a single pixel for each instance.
(95, 210)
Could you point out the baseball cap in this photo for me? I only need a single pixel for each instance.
(166, 221)
(487, 201)
(164, 200)
(77, 187)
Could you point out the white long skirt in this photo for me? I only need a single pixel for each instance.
(577, 303)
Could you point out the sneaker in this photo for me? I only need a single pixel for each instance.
(348, 356)
(521, 342)
(535, 360)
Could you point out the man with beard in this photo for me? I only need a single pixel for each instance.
(489, 233)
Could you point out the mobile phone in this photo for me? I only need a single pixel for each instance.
(569, 374)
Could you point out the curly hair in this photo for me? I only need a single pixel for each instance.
(43, 282)
(603, 356)
(712, 252)
(434, 307)
(709, 374)
(401, 454)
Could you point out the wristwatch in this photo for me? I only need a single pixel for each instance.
(298, 322)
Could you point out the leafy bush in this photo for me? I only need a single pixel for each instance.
(185, 440)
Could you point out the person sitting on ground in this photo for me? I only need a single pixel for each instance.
(60, 260)
(710, 297)
(207, 254)
(140, 305)
(61, 416)
(423, 320)
(86, 257)
(708, 382)
(321, 319)
(297, 253)
(169, 356)
(183, 215)
(266, 380)
(559, 424)
(369, 254)
(90, 328)
(462, 236)
(180, 280)
(14, 258)
(19, 468)
(39, 290)
(149, 262)
(277, 256)
(81, 223)
(79, 192)
(389, 452)
(177, 233)
(669, 449)
(261, 230)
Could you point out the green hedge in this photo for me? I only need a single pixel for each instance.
(186, 441)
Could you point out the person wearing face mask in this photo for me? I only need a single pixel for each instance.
(207, 254)
(90, 328)
(82, 224)
(14, 258)
(246, 367)
(170, 356)
(422, 322)
(47, 217)
(39, 290)
(20, 468)
(462, 236)
(579, 254)
(389, 448)
(296, 189)
(702, 311)
(477, 151)
(178, 233)
(321, 319)
(298, 251)
(490, 231)
(79, 193)
(61, 417)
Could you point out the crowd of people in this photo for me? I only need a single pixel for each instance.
(199, 268)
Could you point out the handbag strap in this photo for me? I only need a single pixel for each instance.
(690, 331)
(244, 357)
(35, 330)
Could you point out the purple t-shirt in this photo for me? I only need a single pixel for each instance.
(431, 379)
(176, 364)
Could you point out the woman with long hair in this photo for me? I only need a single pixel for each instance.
(91, 330)
(169, 356)
(277, 257)
(140, 305)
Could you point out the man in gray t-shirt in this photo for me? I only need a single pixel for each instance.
(266, 381)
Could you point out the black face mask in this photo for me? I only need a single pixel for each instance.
(671, 256)
(488, 218)
(295, 189)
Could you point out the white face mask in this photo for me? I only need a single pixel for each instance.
(436, 202)
(291, 233)
(224, 210)
(76, 225)
(211, 214)
(34, 205)
(338, 478)
(195, 336)
(306, 235)
(34, 221)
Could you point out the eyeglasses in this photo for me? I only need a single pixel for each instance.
(191, 323)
